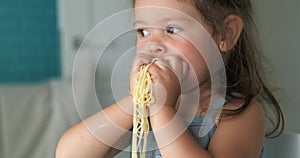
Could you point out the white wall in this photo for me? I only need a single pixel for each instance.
(76, 19)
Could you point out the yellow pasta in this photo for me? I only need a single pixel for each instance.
(142, 98)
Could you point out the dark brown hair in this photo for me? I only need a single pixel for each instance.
(244, 63)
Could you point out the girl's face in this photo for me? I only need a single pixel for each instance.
(165, 30)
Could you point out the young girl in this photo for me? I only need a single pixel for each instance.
(239, 130)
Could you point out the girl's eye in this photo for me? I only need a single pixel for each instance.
(173, 30)
(142, 32)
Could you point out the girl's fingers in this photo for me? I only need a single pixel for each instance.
(173, 64)
(160, 66)
(176, 65)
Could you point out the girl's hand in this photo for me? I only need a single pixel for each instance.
(166, 85)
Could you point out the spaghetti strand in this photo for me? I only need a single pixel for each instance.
(142, 98)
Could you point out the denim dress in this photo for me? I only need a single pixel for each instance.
(194, 125)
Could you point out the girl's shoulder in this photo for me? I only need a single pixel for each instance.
(242, 132)
(253, 110)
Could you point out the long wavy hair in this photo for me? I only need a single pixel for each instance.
(245, 71)
(244, 67)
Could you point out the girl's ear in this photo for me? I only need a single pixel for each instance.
(233, 28)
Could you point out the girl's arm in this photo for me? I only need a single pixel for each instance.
(89, 138)
(172, 136)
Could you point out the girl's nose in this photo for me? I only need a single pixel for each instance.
(155, 47)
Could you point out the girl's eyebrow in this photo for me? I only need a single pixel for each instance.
(138, 22)
(165, 20)
(183, 19)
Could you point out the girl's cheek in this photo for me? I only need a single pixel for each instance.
(140, 46)
(192, 54)
(187, 49)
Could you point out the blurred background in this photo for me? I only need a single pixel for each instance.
(39, 40)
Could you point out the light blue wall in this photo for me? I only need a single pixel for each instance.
(29, 46)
